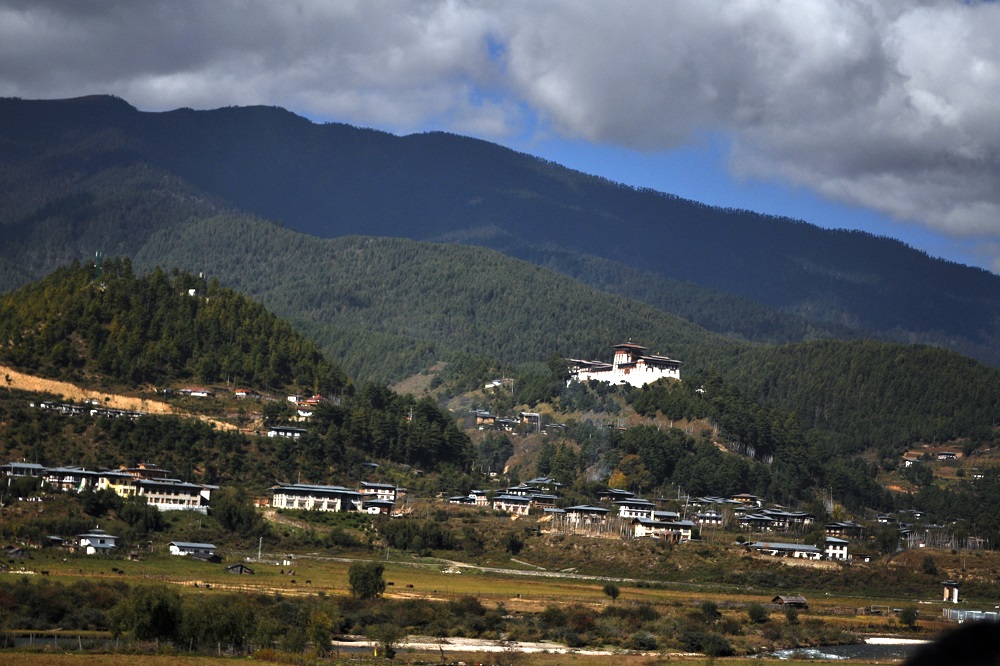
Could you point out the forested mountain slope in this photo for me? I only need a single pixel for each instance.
(103, 324)
(388, 307)
(333, 180)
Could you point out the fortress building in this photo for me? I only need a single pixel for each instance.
(631, 365)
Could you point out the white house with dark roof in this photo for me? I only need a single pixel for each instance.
(191, 548)
(635, 507)
(315, 498)
(513, 504)
(96, 541)
(836, 549)
(631, 365)
(584, 514)
(798, 550)
(22, 469)
(174, 495)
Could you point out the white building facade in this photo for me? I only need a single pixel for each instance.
(631, 366)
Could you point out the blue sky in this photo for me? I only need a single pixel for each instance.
(878, 115)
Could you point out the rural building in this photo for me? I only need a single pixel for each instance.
(315, 498)
(790, 601)
(377, 507)
(96, 541)
(797, 550)
(584, 514)
(191, 548)
(635, 507)
(836, 549)
(631, 365)
(174, 495)
(382, 491)
(515, 504)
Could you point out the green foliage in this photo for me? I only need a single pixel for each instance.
(908, 616)
(513, 543)
(365, 580)
(611, 590)
(235, 511)
(929, 565)
(140, 516)
(419, 536)
(149, 612)
(150, 330)
(757, 613)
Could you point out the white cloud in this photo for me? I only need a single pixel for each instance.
(885, 104)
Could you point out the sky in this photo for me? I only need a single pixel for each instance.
(880, 115)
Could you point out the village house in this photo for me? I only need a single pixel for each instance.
(673, 531)
(793, 601)
(174, 495)
(754, 522)
(96, 542)
(709, 518)
(797, 550)
(17, 469)
(67, 479)
(613, 494)
(788, 520)
(544, 500)
(836, 549)
(631, 365)
(382, 491)
(518, 505)
(190, 548)
(315, 498)
(378, 507)
(843, 529)
(584, 514)
(635, 507)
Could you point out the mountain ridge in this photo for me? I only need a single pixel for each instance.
(334, 180)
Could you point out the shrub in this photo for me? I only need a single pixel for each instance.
(366, 579)
(757, 613)
(642, 640)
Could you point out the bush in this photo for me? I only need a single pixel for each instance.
(642, 640)
(365, 579)
(757, 613)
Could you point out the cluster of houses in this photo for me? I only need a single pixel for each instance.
(524, 422)
(636, 517)
(146, 480)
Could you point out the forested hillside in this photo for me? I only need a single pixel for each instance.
(101, 322)
(96, 172)
(439, 298)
